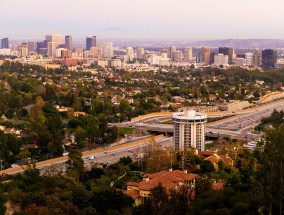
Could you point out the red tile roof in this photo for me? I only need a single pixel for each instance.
(134, 194)
(226, 159)
(205, 154)
(217, 186)
(213, 159)
(168, 179)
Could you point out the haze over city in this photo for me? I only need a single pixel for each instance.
(131, 107)
(159, 19)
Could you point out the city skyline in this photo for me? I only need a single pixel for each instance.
(147, 19)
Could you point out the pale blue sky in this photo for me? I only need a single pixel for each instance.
(186, 19)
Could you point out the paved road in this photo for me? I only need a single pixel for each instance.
(239, 126)
(109, 157)
(105, 153)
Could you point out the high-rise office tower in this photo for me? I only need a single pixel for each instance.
(140, 53)
(257, 58)
(178, 56)
(212, 55)
(269, 57)
(49, 38)
(107, 50)
(24, 50)
(42, 47)
(187, 53)
(189, 130)
(51, 48)
(5, 43)
(206, 55)
(170, 52)
(91, 42)
(199, 58)
(229, 51)
(249, 59)
(32, 47)
(68, 42)
(56, 38)
(130, 53)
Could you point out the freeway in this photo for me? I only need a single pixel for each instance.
(101, 155)
(239, 126)
(210, 114)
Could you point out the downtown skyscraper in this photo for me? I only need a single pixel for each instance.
(5, 43)
(68, 42)
(91, 42)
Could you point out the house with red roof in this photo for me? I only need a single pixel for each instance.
(170, 180)
(214, 159)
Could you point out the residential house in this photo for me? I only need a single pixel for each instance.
(170, 180)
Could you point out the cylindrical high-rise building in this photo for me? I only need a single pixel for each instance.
(189, 130)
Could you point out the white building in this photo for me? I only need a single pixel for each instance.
(187, 54)
(279, 64)
(159, 60)
(154, 60)
(189, 130)
(249, 59)
(240, 62)
(5, 51)
(115, 63)
(23, 51)
(140, 53)
(164, 61)
(130, 53)
(102, 63)
(107, 50)
(51, 47)
(221, 59)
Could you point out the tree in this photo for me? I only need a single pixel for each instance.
(159, 199)
(80, 196)
(88, 211)
(80, 136)
(206, 167)
(156, 159)
(273, 162)
(75, 163)
(2, 206)
(110, 199)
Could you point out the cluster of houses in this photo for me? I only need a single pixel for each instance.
(173, 180)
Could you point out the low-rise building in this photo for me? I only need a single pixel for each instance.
(233, 106)
(214, 159)
(170, 180)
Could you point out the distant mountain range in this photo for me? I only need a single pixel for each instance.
(237, 43)
(181, 43)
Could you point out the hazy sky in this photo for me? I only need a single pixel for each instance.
(186, 19)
